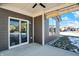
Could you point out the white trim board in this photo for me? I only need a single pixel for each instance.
(43, 32)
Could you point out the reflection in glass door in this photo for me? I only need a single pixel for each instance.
(18, 32)
(23, 31)
(14, 32)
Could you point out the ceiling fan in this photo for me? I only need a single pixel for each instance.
(39, 4)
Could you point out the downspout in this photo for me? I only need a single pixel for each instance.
(33, 29)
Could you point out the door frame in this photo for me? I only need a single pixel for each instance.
(9, 47)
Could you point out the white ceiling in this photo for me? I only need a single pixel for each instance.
(26, 8)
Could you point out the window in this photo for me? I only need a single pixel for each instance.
(52, 26)
(70, 24)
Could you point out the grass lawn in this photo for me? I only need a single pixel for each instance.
(65, 43)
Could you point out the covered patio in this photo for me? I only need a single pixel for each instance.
(27, 29)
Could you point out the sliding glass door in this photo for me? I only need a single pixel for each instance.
(18, 32)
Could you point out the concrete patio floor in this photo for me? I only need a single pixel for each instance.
(35, 49)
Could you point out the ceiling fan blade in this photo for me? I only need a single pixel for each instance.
(34, 5)
(42, 5)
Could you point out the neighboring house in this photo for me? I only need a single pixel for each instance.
(21, 24)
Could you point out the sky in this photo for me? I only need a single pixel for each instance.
(52, 21)
(69, 19)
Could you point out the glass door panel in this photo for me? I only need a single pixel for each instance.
(23, 31)
(14, 32)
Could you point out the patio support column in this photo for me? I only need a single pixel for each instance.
(57, 26)
(43, 24)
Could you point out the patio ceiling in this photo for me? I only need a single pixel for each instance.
(26, 8)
